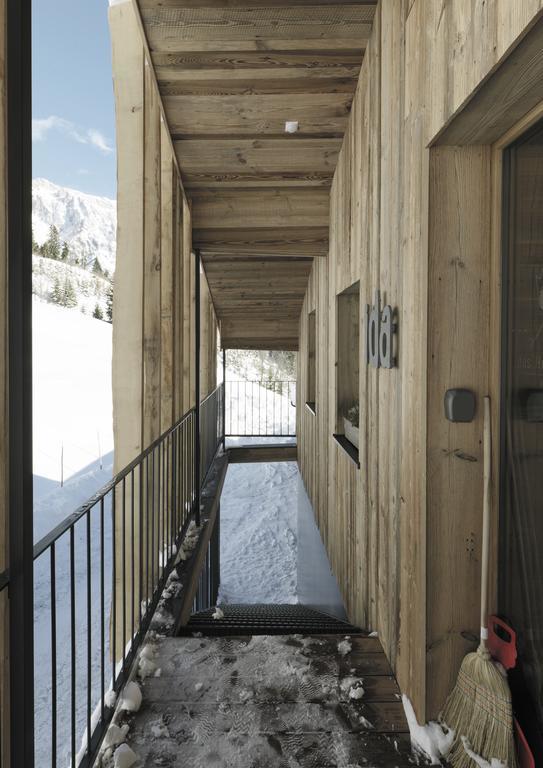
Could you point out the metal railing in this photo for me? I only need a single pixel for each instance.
(211, 428)
(260, 409)
(98, 579)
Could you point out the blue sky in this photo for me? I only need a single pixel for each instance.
(73, 113)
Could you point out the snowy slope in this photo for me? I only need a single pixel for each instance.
(87, 223)
(72, 390)
(90, 290)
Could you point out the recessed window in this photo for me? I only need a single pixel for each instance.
(348, 370)
(312, 360)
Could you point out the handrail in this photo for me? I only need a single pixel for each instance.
(53, 535)
(124, 542)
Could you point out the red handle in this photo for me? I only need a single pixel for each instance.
(502, 642)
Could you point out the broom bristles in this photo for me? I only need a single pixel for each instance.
(480, 709)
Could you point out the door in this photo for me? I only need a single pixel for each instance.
(521, 508)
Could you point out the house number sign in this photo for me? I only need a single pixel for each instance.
(380, 330)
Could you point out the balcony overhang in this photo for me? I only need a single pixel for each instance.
(231, 74)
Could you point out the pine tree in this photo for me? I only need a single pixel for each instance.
(109, 304)
(54, 242)
(57, 294)
(65, 253)
(97, 269)
(98, 314)
(35, 246)
(70, 298)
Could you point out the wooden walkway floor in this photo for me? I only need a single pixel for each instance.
(283, 701)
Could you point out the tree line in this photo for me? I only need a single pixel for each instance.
(63, 292)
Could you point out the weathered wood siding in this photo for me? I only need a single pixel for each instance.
(403, 532)
(154, 319)
(154, 323)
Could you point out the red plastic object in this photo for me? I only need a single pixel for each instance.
(524, 753)
(503, 647)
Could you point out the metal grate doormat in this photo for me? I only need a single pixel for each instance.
(264, 619)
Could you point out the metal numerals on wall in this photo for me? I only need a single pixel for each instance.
(380, 330)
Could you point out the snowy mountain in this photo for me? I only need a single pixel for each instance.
(87, 223)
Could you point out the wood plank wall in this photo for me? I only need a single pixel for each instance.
(154, 324)
(402, 533)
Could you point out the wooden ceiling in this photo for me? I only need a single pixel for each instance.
(231, 73)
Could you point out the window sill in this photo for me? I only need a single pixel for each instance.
(349, 448)
(311, 407)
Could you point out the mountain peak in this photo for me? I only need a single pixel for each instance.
(86, 222)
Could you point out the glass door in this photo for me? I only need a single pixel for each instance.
(521, 526)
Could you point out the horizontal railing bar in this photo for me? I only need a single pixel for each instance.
(72, 519)
(268, 435)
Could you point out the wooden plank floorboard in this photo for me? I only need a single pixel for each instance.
(265, 700)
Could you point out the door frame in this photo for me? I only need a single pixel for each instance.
(19, 749)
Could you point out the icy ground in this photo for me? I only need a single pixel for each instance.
(259, 533)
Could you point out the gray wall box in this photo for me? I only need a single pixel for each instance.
(459, 405)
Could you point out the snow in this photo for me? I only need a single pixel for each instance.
(124, 757)
(73, 416)
(90, 290)
(218, 614)
(72, 392)
(430, 739)
(131, 697)
(481, 762)
(115, 735)
(259, 534)
(86, 222)
(345, 646)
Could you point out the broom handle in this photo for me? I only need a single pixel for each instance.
(487, 458)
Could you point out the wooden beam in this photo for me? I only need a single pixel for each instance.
(169, 29)
(254, 116)
(296, 242)
(342, 59)
(281, 343)
(256, 453)
(216, 209)
(257, 87)
(145, 5)
(258, 156)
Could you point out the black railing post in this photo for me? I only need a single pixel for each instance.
(19, 296)
(197, 478)
(224, 398)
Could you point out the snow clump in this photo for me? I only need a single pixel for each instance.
(345, 646)
(432, 739)
(481, 762)
(219, 614)
(124, 757)
(131, 700)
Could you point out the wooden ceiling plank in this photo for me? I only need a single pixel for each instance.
(168, 64)
(178, 46)
(169, 76)
(256, 87)
(257, 115)
(149, 5)
(255, 181)
(258, 155)
(278, 208)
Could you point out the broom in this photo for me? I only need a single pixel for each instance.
(479, 709)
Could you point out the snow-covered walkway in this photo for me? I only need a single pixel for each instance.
(257, 701)
(271, 551)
